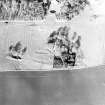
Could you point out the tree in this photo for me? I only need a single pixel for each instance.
(52, 38)
(11, 47)
(18, 47)
(72, 8)
(69, 49)
(16, 51)
(60, 39)
(24, 50)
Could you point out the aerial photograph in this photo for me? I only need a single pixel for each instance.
(52, 52)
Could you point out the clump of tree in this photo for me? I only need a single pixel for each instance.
(17, 51)
(65, 50)
(72, 8)
(23, 9)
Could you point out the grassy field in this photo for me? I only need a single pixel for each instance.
(34, 35)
